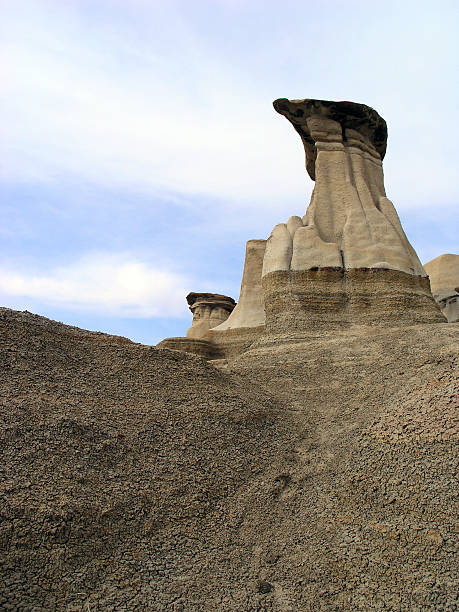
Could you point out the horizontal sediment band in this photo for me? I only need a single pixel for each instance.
(335, 298)
(232, 342)
(203, 348)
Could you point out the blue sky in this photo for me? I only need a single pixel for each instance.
(140, 150)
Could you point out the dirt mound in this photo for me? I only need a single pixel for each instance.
(314, 476)
(371, 494)
(115, 456)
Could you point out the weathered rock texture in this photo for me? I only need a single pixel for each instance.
(194, 346)
(347, 261)
(310, 476)
(209, 310)
(249, 311)
(230, 335)
(246, 322)
(349, 223)
(443, 272)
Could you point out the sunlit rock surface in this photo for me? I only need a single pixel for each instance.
(349, 223)
(347, 262)
(443, 272)
(209, 310)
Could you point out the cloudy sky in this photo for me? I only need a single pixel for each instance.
(140, 150)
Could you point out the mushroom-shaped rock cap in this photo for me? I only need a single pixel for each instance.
(350, 115)
(211, 299)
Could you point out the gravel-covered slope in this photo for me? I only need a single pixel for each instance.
(371, 497)
(315, 476)
(117, 462)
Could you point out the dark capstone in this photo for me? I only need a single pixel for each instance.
(192, 297)
(359, 117)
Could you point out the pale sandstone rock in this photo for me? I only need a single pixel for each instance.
(209, 310)
(308, 247)
(216, 334)
(443, 272)
(351, 222)
(249, 311)
(449, 306)
(293, 224)
(279, 248)
(346, 263)
(246, 322)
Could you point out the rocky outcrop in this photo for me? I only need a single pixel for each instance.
(347, 261)
(443, 272)
(221, 328)
(246, 322)
(194, 346)
(209, 310)
(249, 311)
(349, 223)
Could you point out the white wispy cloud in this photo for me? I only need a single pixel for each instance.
(105, 283)
(156, 123)
(140, 98)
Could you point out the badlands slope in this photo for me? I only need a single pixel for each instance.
(314, 476)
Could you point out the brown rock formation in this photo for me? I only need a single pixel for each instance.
(443, 273)
(209, 310)
(347, 261)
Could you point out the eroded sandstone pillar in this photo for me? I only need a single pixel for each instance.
(347, 261)
(209, 310)
(246, 322)
(249, 311)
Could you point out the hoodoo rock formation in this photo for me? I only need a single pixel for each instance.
(237, 332)
(209, 310)
(347, 262)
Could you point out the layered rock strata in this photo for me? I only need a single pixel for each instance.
(203, 348)
(443, 272)
(347, 261)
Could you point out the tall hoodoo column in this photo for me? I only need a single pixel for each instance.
(348, 259)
